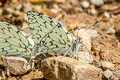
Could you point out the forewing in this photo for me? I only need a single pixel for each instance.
(49, 32)
(14, 42)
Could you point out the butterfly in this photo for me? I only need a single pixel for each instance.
(14, 42)
(50, 36)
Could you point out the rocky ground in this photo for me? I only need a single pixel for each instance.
(79, 16)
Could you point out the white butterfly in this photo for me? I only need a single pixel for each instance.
(50, 36)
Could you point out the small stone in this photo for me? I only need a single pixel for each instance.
(33, 75)
(117, 74)
(10, 10)
(93, 11)
(1, 11)
(38, 1)
(110, 31)
(90, 32)
(86, 40)
(85, 57)
(65, 68)
(60, 1)
(97, 2)
(109, 7)
(86, 36)
(11, 78)
(15, 65)
(106, 14)
(19, 7)
(108, 74)
(27, 7)
(85, 4)
(107, 65)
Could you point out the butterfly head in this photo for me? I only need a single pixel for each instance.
(77, 40)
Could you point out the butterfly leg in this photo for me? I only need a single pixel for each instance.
(69, 50)
(40, 52)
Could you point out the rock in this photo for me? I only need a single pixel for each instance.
(11, 78)
(86, 36)
(9, 10)
(60, 1)
(97, 2)
(85, 4)
(85, 57)
(106, 14)
(82, 33)
(27, 7)
(1, 11)
(110, 31)
(85, 47)
(38, 1)
(108, 74)
(65, 68)
(33, 75)
(93, 11)
(16, 65)
(107, 65)
(19, 7)
(96, 64)
(109, 7)
(90, 32)
(117, 74)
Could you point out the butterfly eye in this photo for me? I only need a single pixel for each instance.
(79, 40)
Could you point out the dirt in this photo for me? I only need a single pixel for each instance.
(105, 47)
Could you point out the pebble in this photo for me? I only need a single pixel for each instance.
(85, 46)
(9, 10)
(59, 1)
(85, 4)
(93, 11)
(106, 14)
(107, 65)
(86, 40)
(19, 7)
(110, 31)
(85, 57)
(91, 33)
(97, 2)
(15, 65)
(27, 7)
(117, 74)
(108, 74)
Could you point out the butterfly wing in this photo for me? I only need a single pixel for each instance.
(48, 32)
(14, 42)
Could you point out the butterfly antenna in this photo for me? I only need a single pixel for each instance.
(85, 31)
(90, 27)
